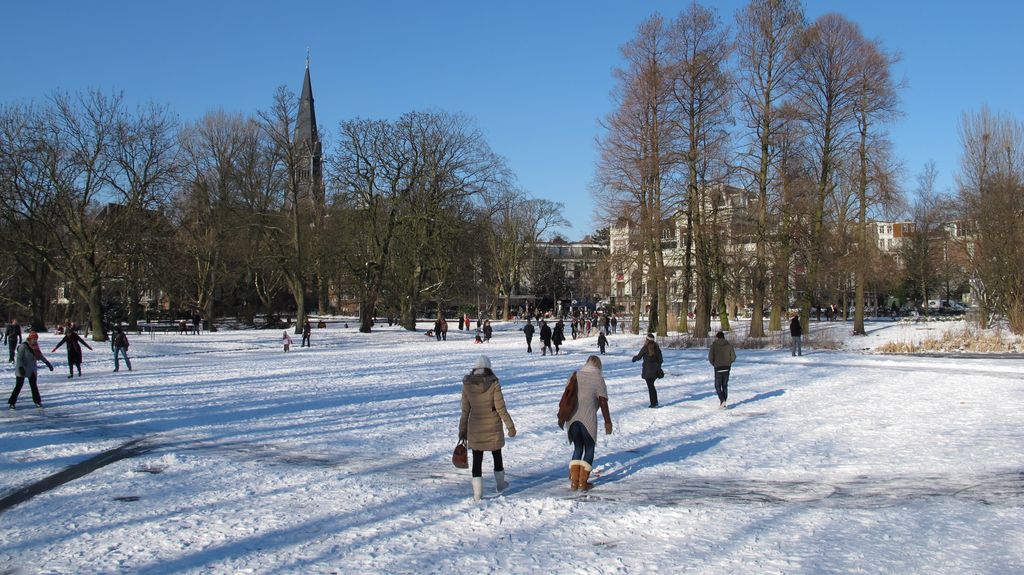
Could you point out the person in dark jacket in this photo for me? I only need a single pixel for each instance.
(483, 412)
(650, 353)
(528, 331)
(119, 345)
(307, 331)
(28, 353)
(558, 335)
(721, 355)
(488, 330)
(602, 341)
(12, 335)
(437, 329)
(74, 343)
(545, 338)
(796, 331)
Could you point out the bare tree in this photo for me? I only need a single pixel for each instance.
(702, 94)
(929, 213)
(207, 203)
(636, 159)
(828, 89)
(991, 182)
(517, 223)
(295, 198)
(876, 102)
(767, 39)
(26, 206)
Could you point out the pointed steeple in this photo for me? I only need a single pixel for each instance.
(306, 129)
(307, 139)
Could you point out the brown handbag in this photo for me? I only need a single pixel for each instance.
(460, 458)
(567, 405)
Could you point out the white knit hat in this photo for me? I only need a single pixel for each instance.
(482, 362)
(650, 336)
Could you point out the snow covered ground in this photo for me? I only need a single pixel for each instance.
(335, 459)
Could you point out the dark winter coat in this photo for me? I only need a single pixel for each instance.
(795, 329)
(119, 341)
(483, 411)
(13, 334)
(558, 335)
(528, 330)
(488, 331)
(74, 343)
(722, 354)
(651, 354)
(545, 333)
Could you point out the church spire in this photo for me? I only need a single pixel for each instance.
(307, 139)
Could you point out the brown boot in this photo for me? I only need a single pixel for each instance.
(574, 475)
(584, 476)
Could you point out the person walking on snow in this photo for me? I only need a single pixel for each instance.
(545, 338)
(74, 343)
(307, 331)
(488, 330)
(796, 331)
(119, 345)
(602, 341)
(591, 395)
(528, 331)
(25, 358)
(558, 335)
(650, 353)
(721, 355)
(483, 411)
(13, 337)
(287, 341)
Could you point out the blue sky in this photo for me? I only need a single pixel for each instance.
(535, 76)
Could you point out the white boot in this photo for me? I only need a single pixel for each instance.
(478, 488)
(499, 480)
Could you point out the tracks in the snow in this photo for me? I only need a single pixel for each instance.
(126, 450)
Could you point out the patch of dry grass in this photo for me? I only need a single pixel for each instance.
(965, 340)
(824, 339)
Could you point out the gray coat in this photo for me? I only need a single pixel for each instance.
(483, 411)
(24, 359)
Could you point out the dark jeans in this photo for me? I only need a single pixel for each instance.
(582, 443)
(20, 381)
(652, 393)
(529, 341)
(478, 462)
(305, 341)
(12, 344)
(722, 383)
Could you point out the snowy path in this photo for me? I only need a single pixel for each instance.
(334, 459)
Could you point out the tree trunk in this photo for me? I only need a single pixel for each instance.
(298, 287)
(407, 314)
(366, 306)
(94, 299)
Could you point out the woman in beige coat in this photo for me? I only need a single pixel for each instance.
(483, 411)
